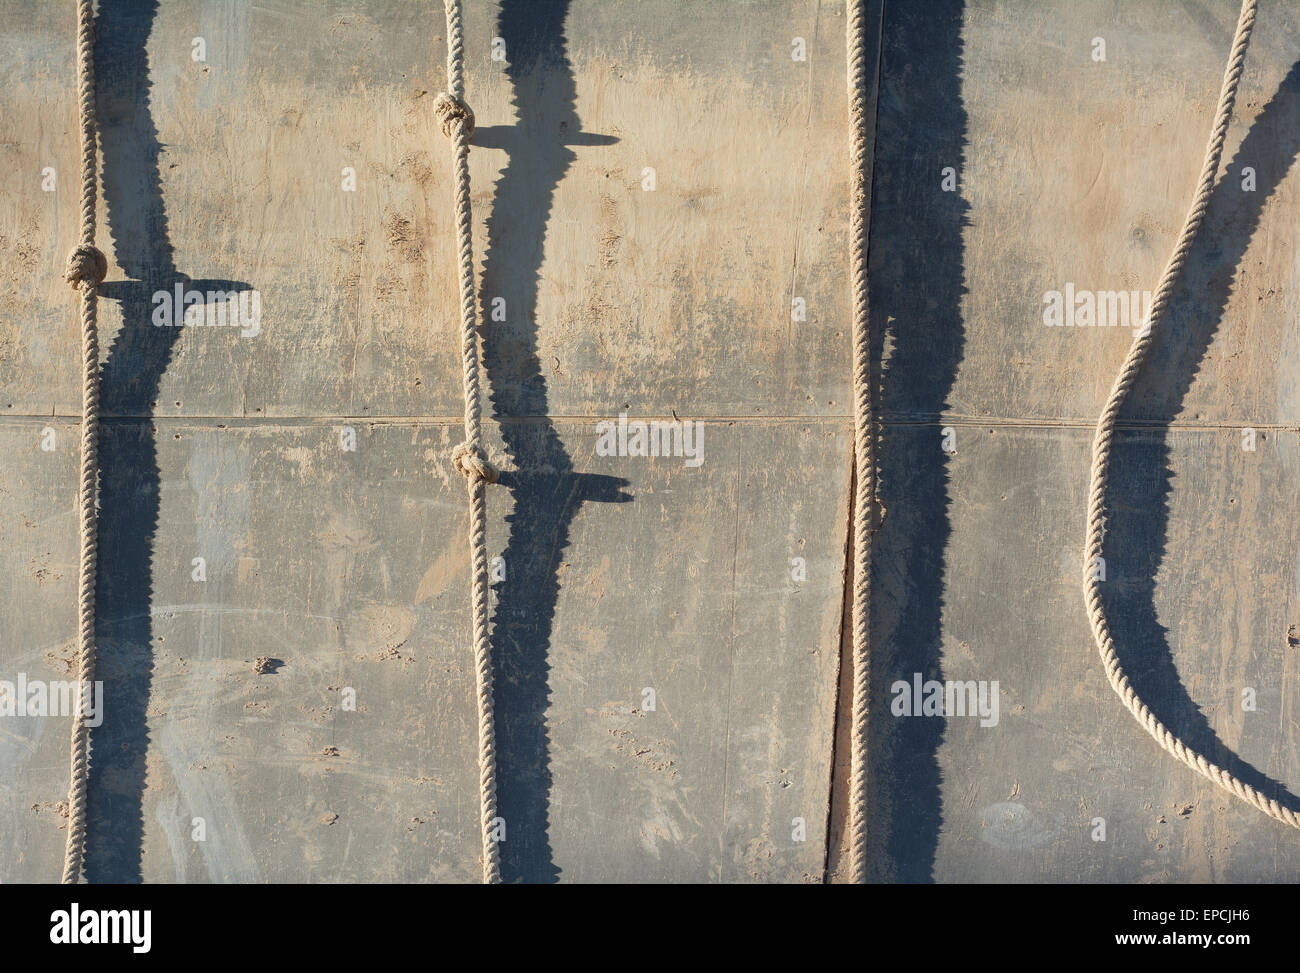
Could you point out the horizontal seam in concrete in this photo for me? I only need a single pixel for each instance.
(1026, 423)
(442, 420)
(887, 421)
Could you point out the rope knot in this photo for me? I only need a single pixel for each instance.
(472, 461)
(451, 110)
(86, 263)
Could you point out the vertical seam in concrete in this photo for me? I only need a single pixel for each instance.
(836, 807)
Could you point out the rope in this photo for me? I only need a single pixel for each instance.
(863, 437)
(86, 269)
(1105, 433)
(470, 458)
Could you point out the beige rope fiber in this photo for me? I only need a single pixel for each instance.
(1105, 433)
(863, 436)
(470, 458)
(86, 269)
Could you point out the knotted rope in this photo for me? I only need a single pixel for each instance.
(86, 269)
(451, 111)
(470, 458)
(1105, 433)
(863, 436)
(473, 462)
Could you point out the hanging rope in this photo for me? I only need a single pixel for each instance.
(470, 458)
(86, 269)
(1105, 434)
(863, 436)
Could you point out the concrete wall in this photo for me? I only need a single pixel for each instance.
(347, 569)
(1075, 170)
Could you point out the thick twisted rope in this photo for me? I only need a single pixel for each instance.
(470, 458)
(86, 269)
(1105, 434)
(863, 436)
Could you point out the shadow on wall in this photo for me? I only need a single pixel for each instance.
(1141, 479)
(129, 474)
(916, 282)
(545, 490)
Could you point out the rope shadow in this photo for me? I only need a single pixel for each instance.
(916, 234)
(130, 478)
(1138, 497)
(546, 490)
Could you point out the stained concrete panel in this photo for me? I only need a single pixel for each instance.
(1075, 171)
(228, 174)
(347, 569)
(1201, 592)
(719, 587)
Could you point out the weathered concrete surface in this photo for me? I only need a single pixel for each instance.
(347, 568)
(677, 298)
(1017, 801)
(624, 573)
(1079, 171)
